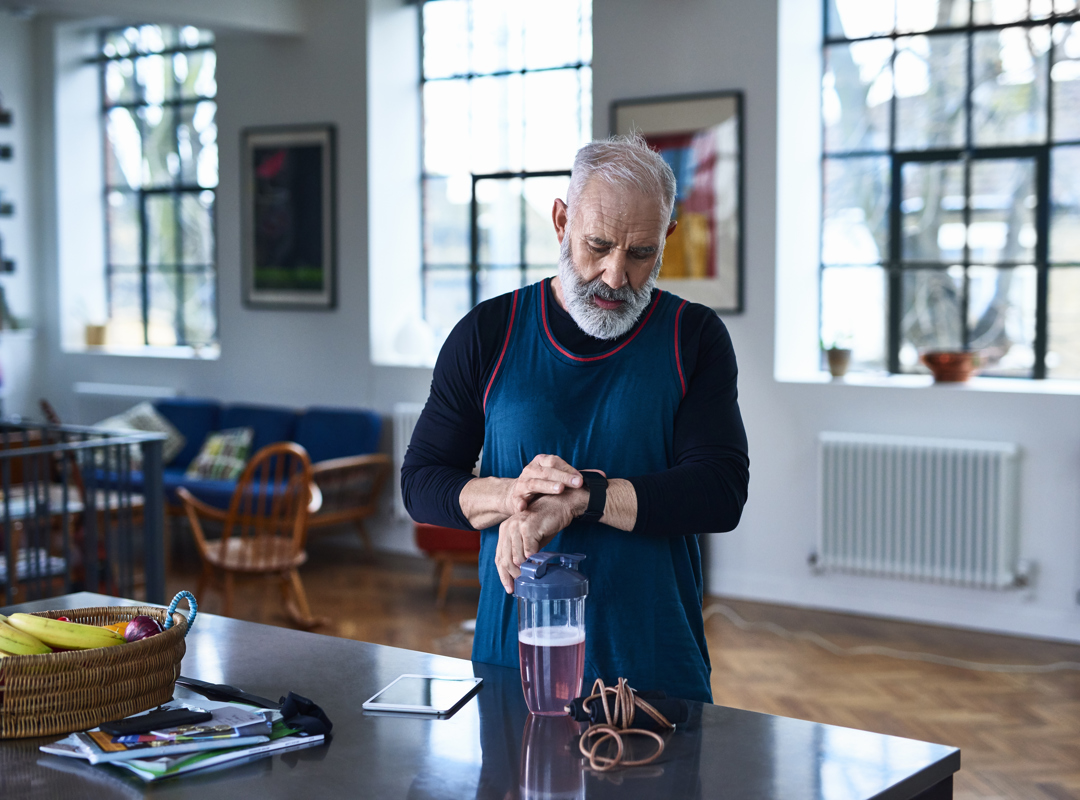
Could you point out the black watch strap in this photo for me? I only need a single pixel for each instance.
(597, 486)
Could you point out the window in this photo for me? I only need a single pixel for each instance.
(161, 172)
(507, 102)
(951, 202)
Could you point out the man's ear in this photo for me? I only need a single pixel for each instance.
(560, 216)
(671, 228)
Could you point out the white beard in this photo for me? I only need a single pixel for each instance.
(601, 323)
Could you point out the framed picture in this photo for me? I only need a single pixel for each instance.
(288, 217)
(700, 137)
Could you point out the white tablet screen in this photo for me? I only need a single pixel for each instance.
(423, 693)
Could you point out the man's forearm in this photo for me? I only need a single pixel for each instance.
(485, 502)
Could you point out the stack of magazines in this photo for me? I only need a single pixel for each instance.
(234, 732)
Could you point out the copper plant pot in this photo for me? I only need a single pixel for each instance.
(951, 366)
(839, 359)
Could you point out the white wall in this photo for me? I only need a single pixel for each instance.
(644, 48)
(16, 87)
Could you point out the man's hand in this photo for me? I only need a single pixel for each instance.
(544, 475)
(526, 532)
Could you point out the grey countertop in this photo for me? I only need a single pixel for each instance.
(491, 748)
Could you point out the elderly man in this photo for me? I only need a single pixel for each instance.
(608, 416)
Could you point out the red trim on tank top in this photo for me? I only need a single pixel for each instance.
(678, 355)
(506, 341)
(567, 353)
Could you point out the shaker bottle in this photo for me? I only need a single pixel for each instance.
(550, 596)
(551, 766)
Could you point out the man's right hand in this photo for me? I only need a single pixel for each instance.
(545, 474)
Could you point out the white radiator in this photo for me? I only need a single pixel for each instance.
(919, 509)
(405, 417)
(96, 401)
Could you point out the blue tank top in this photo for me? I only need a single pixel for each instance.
(614, 411)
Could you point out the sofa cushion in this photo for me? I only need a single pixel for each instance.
(144, 418)
(194, 418)
(213, 492)
(337, 432)
(270, 423)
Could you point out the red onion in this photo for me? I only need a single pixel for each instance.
(140, 628)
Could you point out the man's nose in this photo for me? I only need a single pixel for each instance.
(615, 269)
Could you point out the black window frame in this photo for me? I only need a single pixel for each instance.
(474, 266)
(176, 190)
(893, 264)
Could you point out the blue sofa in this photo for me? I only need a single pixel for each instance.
(341, 443)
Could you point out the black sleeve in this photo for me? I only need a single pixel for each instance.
(705, 490)
(449, 435)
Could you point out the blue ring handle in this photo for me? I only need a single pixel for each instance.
(193, 609)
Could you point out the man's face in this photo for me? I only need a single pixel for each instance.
(610, 257)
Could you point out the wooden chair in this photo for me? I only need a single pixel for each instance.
(350, 488)
(265, 527)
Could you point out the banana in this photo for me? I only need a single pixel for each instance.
(67, 635)
(16, 643)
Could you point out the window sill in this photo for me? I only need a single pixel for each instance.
(207, 353)
(975, 384)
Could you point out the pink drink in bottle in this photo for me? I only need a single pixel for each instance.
(550, 596)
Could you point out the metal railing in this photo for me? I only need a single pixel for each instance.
(81, 509)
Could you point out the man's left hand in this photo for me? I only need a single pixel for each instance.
(526, 532)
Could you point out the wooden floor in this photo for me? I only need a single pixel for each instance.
(1019, 733)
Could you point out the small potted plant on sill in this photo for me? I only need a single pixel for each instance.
(951, 366)
(838, 356)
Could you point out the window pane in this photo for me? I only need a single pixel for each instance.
(853, 303)
(446, 126)
(200, 308)
(161, 162)
(115, 43)
(196, 134)
(499, 221)
(855, 19)
(932, 212)
(124, 243)
(1065, 76)
(1003, 206)
(154, 77)
(998, 12)
(856, 90)
(1064, 204)
(446, 219)
(913, 16)
(446, 299)
(446, 38)
(1001, 318)
(534, 274)
(1009, 95)
(550, 28)
(1063, 350)
(161, 330)
(496, 39)
(161, 229)
(855, 227)
(196, 74)
(120, 82)
(553, 119)
(197, 228)
(494, 282)
(541, 246)
(496, 121)
(930, 313)
(125, 309)
(123, 149)
(930, 83)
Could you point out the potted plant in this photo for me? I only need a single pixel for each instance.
(838, 356)
(951, 366)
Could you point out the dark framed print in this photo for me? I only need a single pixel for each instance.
(700, 137)
(288, 223)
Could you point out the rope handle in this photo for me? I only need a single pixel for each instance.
(193, 610)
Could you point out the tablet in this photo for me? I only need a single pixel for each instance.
(424, 694)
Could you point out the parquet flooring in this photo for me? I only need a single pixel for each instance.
(1019, 733)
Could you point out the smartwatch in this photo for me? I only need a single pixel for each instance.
(597, 486)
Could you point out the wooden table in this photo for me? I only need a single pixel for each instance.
(490, 749)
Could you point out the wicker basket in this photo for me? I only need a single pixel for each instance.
(74, 690)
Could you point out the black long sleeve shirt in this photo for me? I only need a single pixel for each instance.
(703, 492)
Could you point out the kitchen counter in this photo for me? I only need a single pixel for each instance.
(491, 748)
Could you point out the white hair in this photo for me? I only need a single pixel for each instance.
(623, 161)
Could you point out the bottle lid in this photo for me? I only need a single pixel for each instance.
(551, 576)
